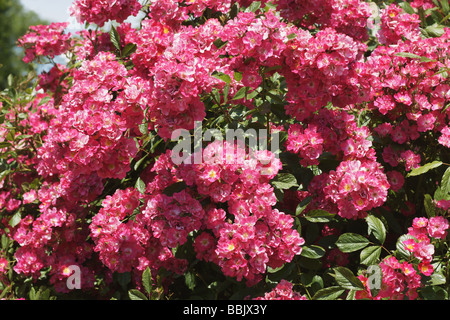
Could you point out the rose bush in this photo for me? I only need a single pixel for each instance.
(351, 201)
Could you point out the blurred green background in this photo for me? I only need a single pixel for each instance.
(14, 22)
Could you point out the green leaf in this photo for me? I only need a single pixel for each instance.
(44, 100)
(407, 55)
(143, 128)
(407, 7)
(240, 94)
(237, 76)
(436, 279)
(445, 6)
(302, 206)
(140, 185)
(115, 37)
(11, 136)
(435, 31)
(350, 242)
(329, 293)
(136, 295)
(401, 250)
(319, 215)
(5, 242)
(274, 270)
(351, 295)
(32, 294)
(174, 188)
(346, 279)
(254, 6)
(10, 80)
(252, 94)
(129, 49)
(443, 71)
(313, 252)
(147, 281)
(425, 168)
(15, 219)
(376, 227)
(425, 59)
(140, 161)
(226, 90)
(439, 194)
(309, 279)
(370, 255)
(219, 43)
(284, 181)
(189, 278)
(270, 6)
(429, 206)
(445, 181)
(291, 36)
(434, 293)
(222, 76)
(445, 18)
(44, 293)
(413, 56)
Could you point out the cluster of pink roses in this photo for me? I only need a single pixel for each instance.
(320, 69)
(359, 183)
(357, 187)
(283, 291)
(403, 279)
(85, 142)
(248, 235)
(423, 230)
(399, 281)
(100, 12)
(45, 41)
(186, 62)
(349, 17)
